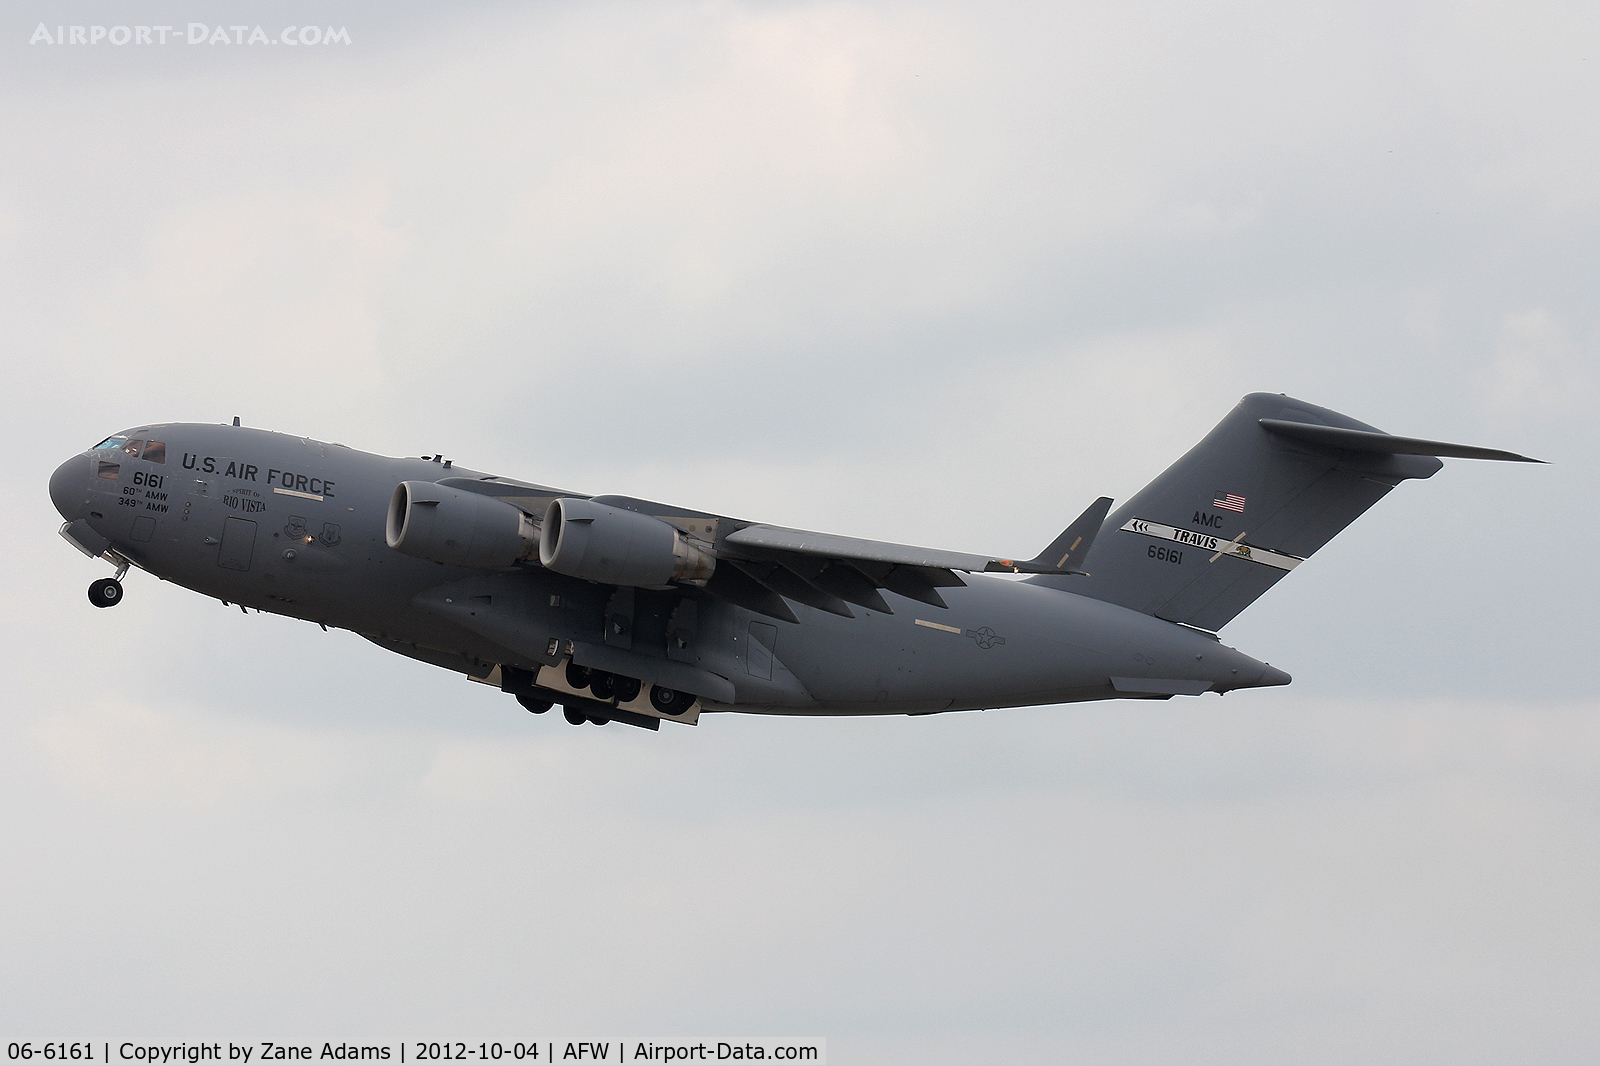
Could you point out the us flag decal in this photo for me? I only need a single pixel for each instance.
(1229, 502)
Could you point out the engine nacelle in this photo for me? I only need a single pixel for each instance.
(446, 525)
(584, 539)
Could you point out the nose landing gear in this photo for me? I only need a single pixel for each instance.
(107, 592)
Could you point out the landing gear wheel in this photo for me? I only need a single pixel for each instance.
(600, 721)
(574, 716)
(107, 592)
(602, 684)
(626, 688)
(532, 703)
(670, 701)
(577, 676)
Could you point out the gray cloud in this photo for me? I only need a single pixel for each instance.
(931, 273)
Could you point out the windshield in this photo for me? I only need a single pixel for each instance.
(153, 451)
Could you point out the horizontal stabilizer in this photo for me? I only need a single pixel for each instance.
(1360, 440)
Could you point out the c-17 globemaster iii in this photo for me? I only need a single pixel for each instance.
(621, 609)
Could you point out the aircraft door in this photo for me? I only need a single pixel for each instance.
(758, 653)
(238, 544)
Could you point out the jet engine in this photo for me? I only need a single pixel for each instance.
(584, 539)
(445, 525)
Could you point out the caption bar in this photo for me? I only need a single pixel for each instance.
(423, 1051)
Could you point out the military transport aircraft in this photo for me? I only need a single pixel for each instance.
(624, 610)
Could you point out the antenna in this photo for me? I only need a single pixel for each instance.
(236, 420)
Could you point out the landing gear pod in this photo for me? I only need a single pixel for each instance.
(588, 540)
(446, 525)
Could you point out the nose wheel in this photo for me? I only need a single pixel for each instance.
(107, 592)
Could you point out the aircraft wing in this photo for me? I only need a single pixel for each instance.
(833, 546)
(761, 565)
(534, 499)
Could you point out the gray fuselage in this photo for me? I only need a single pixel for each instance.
(296, 527)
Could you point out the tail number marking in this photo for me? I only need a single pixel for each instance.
(1187, 537)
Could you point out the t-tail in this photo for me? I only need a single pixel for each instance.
(1273, 482)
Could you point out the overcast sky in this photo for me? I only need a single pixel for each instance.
(934, 272)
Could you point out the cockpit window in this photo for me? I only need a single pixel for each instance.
(132, 448)
(108, 471)
(111, 442)
(155, 451)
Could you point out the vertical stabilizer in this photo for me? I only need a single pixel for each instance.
(1245, 506)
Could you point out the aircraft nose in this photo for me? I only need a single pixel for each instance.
(69, 486)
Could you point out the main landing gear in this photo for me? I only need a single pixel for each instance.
(520, 684)
(607, 687)
(670, 701)
(532, 703)
(601, 694)
(107, 592)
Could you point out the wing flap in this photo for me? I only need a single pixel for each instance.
(733, 584)
(792, 585)
(918, 583)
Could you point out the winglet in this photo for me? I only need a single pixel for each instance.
(1067, 552)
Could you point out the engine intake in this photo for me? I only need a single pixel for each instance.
(446, 525)
(584, 539)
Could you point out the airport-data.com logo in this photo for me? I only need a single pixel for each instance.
(193, 33)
